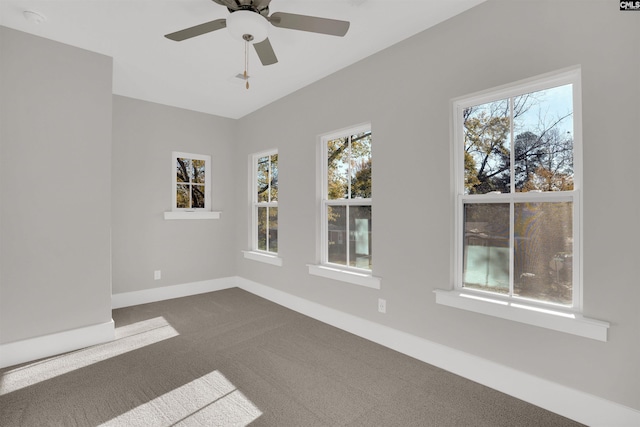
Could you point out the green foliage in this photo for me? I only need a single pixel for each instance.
(471, 180)
(361, 183)
(349, 167)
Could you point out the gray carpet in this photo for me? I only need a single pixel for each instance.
(230, 358)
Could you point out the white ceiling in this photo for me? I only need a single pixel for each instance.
(199, 73)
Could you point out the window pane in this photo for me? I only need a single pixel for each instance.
(198, 171)
(274, 178)
(262, 229)
(543, 129)
(273, 229)
(182, 196)
(197, 196)
(543, 267)
(486, 247)
(360, 236)
(361, 165)
(487, 148)
(263, 179)
(183, 168)
(337, 168)
(337, 238)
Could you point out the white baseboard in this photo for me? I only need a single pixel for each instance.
(574, 404)
(30, 349)
(127, 299)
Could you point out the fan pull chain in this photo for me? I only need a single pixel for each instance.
(246, 64)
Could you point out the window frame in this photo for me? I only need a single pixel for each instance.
(545, 314)
(191, 213)
(254, 253)
(345, 273)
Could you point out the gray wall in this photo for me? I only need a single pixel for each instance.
(55, 187)
(144, 135)
(405, 91)
(56, 111)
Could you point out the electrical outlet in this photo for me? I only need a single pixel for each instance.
(157, 275)
(382, 305)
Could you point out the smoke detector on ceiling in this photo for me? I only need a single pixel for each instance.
(34, 17)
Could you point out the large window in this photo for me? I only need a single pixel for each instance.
(265, 202)
(346, 202)
(517, 176)
(517, 166)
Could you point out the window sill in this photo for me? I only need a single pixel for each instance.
(570, 323)
(191, 215)
(348, 276)
(263, 257)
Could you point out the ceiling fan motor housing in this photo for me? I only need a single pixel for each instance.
(247, 26)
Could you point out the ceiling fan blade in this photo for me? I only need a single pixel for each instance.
(265, 52)
(198, 30)
(313, 24)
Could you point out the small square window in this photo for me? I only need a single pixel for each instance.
(191, 182)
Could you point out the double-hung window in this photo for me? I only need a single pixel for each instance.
(517, 178)
(264, 208)
(265, 205)
(346, 207)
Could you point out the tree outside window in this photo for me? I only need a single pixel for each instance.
(517, 195)
(347, 199)
(265, 204)
(191, 181)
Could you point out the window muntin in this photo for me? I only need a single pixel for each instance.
(265, 202)
(191, 182)
(518, 201)
(346, 199)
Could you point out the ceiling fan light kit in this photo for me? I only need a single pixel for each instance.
(247, 26)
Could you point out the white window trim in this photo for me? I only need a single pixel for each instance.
(356, 276)
(559, 318)
(194, 213)
(333, 271)
(265, 257)
(191, 215)
(254, 253)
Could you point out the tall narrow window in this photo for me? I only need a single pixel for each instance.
(265, 202)
(518, 182)
(191, 182)
(346, 200)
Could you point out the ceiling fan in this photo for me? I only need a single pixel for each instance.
(249, 21)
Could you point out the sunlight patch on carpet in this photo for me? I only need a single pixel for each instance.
(128, 338)
(211, 400)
